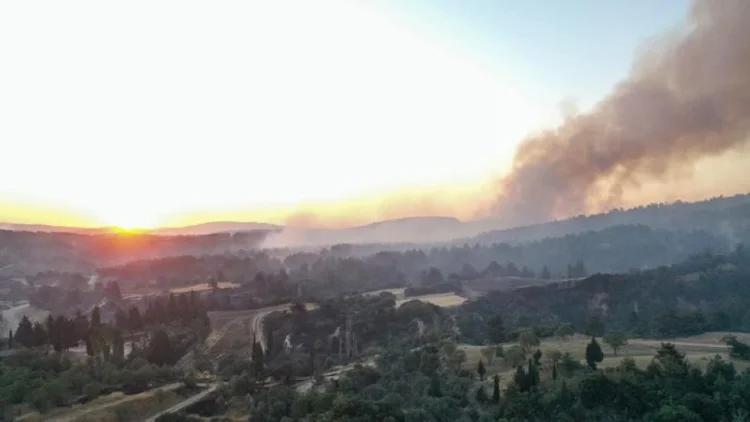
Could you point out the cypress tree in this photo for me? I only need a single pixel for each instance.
(537, 356)
(496, 389)
(160, 349)
(533, 374)
(25, 333)
(89, 347)
(481, 370)
(257, 357)
(118, 346)
(594, 353)
(96, 318)
(40, 334)
(481, 395)
(520, 379)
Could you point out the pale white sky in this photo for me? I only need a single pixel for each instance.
(132, 111)
(162, 112)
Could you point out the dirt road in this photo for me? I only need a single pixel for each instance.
(186, 403)
(223, 322)
(76, 415)
(657, 344)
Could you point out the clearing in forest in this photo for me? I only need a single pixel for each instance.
(697, 349)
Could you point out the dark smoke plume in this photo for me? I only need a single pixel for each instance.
(687, 98)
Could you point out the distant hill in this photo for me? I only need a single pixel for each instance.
(215, 227)
(721, 215)
(29, 248)
(45, 228)
(402, 230)
(25, 252)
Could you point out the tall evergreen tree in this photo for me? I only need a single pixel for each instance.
(40, 334)
(118, 346)
(183, 308)
(58, 333)
(496, 389)
(10, 339)
(521, 379)
(172, 311)
(594, 353)
(134, 318)
(25, 333)
(96, 318)
(160, 349)
(80, 326)
(496, 329)
(481, 395)
(51, 331)
(113, 290)
(481, 370)
(533, 374)
(121, 319)
(257, 357)
(89, 346)
(537, 357)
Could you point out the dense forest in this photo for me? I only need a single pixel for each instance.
(27, 253)
(430, 383)
(134, 352)
(338, 269)
(707, 292)
(726, 216)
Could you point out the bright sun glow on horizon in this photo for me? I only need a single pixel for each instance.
(154, 113)
(136, 112)
(132, 219)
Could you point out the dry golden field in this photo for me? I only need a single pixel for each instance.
(698, 350)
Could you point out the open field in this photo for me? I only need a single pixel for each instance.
(200, 287)
(698, 350)
(398, 292)
(444, 300)
(116, 406)
(185, 403)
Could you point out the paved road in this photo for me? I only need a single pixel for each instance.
(186, 403)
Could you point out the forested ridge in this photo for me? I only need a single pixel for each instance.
(707, 292)
(421, 373)
(721, 221)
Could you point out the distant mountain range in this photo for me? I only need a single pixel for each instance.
(412, 229)
(721, 215)
(216, 227)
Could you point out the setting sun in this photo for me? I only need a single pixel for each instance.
(129, 219)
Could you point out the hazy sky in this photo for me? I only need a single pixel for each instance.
(165, 112)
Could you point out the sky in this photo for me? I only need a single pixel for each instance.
(157, 113)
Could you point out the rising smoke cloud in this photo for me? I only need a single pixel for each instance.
(686, 98)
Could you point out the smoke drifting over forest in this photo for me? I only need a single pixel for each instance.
(687, 98)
